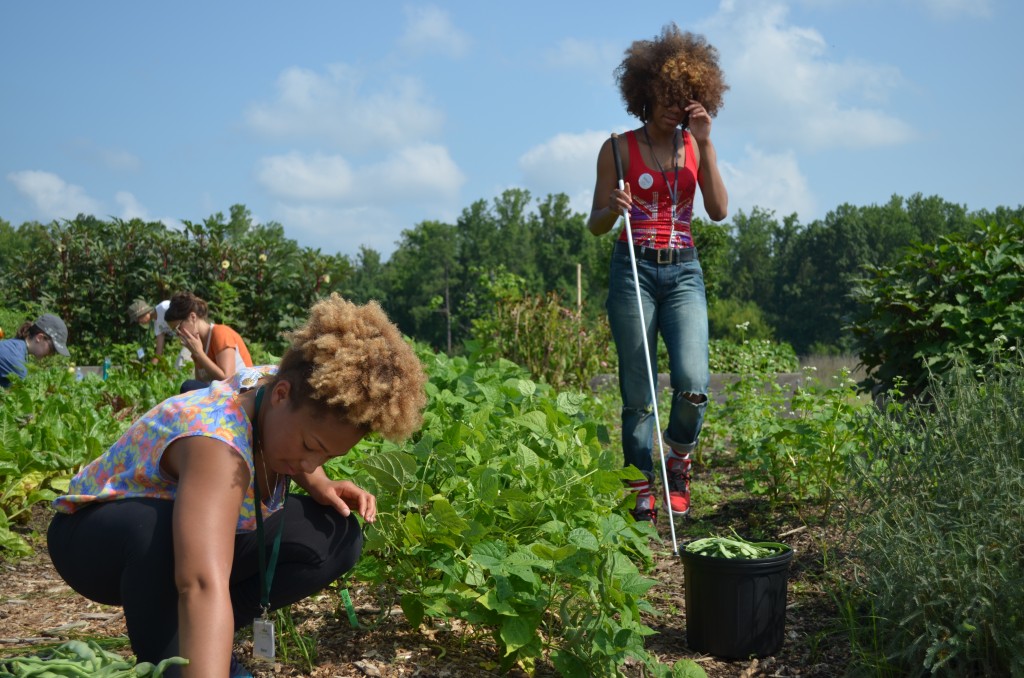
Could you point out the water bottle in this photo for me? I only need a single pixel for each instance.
(106, 367)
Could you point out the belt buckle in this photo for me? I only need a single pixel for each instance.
(667, 258)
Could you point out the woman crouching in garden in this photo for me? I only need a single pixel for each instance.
(164, 523)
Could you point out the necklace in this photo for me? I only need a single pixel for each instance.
(675, 165)
(258, 444)
(266, 567)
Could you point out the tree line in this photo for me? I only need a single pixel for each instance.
(783, 279)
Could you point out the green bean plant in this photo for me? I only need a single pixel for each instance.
(810, 445)
(52, 423)
(508, 512)
(791, 445)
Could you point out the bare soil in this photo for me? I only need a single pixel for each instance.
(38, 610)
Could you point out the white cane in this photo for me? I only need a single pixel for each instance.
(647, 348)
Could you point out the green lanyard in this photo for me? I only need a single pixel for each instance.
(266, 570)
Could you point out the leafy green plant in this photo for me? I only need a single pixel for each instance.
(746, 355)
(52, 423)
(88, 270)
(939, 517)
(809, 446)
(961, 295)
(558, 344)
(791, 445)
(734, 320)
(508, 513)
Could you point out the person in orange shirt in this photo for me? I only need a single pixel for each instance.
(218, 351)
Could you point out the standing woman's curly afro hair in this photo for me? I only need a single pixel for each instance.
(350, 360)
(675, 66)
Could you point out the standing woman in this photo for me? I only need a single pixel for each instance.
(177, 521)
(217, 350)
(39, 339)
(674, 85)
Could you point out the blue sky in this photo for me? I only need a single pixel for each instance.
(349, 122)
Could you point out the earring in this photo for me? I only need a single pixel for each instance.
(643, 113)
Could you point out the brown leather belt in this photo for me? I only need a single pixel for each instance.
(663, 255)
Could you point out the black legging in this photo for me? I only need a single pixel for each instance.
(193, 385)
(121, 553)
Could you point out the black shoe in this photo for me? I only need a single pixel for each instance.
(645, 510)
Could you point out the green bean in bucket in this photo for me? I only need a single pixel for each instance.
(735, 547)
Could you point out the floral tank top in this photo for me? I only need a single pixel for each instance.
(131, 467)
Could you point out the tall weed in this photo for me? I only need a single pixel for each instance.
(558, 344)
(939, 548)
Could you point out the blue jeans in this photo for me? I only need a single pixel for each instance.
(674, 306)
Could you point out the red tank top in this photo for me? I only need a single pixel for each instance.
(655, 222)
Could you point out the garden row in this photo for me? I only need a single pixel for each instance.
(507, 512)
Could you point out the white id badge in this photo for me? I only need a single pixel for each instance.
(263, 639)
(141, 353)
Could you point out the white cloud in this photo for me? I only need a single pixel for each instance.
(424, 172)
(338, 108)
(566, 163)
(772, 181)
(339, 205)
(52, 196)
(319, 177)
(429, 30)
(131, 208)
(787, 91)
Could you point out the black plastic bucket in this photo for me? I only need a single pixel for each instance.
(736, 608)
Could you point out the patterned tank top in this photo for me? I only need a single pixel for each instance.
(131, 467)
(654, 220)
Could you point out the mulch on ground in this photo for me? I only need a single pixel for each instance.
(37, 609)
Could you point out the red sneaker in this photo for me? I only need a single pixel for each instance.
(679, 484)
(645, 509)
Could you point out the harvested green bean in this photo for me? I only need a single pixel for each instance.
(735, 547)
(82, 659)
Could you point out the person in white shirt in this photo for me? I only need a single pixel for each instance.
(142, 313)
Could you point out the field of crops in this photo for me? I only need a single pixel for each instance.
(504, 546)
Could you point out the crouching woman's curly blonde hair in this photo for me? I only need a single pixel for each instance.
(351, 361)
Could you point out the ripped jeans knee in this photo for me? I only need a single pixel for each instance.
(685, 420)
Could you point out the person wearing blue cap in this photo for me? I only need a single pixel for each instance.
(42, 338)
